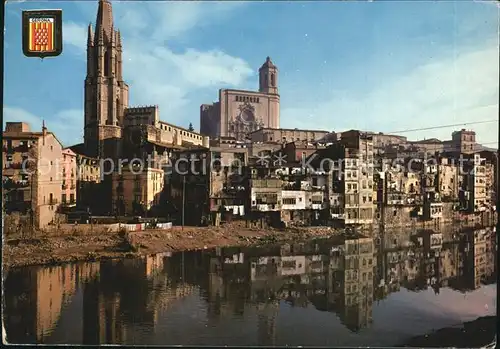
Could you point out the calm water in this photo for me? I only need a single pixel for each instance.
(327, 292)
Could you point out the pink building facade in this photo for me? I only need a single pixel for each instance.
(68, 177)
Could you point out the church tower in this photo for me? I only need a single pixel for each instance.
(106, 94)
(268, 77)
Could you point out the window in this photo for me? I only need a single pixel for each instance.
(63, 199)
(289, 201)
(273, 80)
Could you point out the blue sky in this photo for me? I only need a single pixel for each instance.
(379, 65)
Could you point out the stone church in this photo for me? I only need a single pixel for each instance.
(112, 129)
(238, 113)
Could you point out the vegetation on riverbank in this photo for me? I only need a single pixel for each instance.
(70, 247)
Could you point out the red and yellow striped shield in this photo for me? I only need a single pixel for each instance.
(41, 35)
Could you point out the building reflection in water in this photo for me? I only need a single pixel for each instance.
(35, 297)
(123, 299)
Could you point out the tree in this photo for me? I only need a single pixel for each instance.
(190, 128)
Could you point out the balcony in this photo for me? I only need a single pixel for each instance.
(53, 201)
(23, 148)
(73, 186)
(64, 187)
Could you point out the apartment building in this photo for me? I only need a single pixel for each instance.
(473, 194)
(88, 182)
(212, 182)
(478, 183)
(448, 174)
(491, 173)
(69, 177)
(298, 152)
(32, 178)
(432, 204)
(304, 195)
(136, 190)
(349, 162)
(363, 168)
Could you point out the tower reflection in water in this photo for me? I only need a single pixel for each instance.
(120, 301)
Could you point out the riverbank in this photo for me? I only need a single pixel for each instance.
(473, 334)
(97, 245)
(71, 243)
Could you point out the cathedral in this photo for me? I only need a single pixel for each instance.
(238, 113)
(113, 130)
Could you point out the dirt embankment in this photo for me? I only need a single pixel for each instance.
(95, 245)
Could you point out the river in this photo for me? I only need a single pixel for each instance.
(343, 291)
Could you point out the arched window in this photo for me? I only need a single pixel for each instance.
(265, 79)
(273, 80)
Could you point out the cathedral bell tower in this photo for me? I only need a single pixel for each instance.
(106, 94)
(268, 77)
